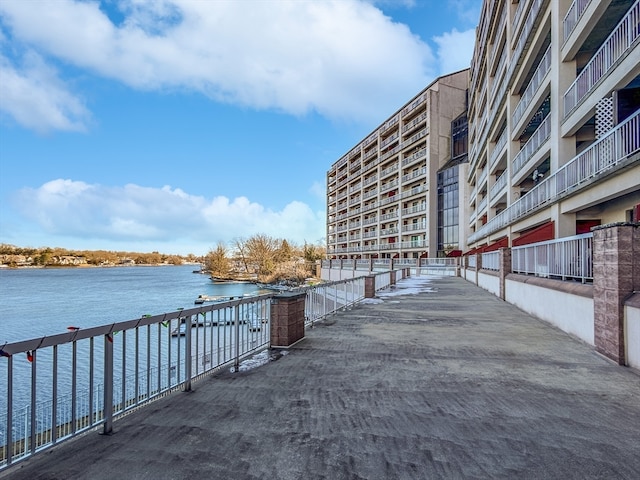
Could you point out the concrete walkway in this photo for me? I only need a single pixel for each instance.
(452, 383)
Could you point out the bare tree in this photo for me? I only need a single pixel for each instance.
(217, 262)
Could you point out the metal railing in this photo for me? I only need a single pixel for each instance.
(327, 298)
(612, 50)
(539, 75)
(58, 386)
(491, 261)
(603, 156)
(572, 17)
(537, 140)
(564, 258)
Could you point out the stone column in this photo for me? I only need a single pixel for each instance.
(392, 277)
(505, 269)
(369, 286)
(287, 319)
(616, 275)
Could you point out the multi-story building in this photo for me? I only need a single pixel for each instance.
(382, 195)
(554, 120)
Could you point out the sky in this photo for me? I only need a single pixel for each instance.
(177, 125)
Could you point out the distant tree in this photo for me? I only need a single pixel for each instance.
(217, 262)
(241, 252)
(261, 251)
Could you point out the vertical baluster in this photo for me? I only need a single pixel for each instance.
(54, 396)
(187, 355)
(108, 384)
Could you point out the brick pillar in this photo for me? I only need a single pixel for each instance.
(505, 269)
(392, 277)
(616, 274)
(287, 319)
(478, 265)
(369, 286)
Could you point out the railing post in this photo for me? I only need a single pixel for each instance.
(187, 353)
(108, 384)
(236, 330)
(616, 274)
(287, 319)
(504, 270)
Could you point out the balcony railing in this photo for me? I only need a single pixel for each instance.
(603, 156)
(539, 137)
(538, 76)
(572, 17)
(416, 156)
(564, 258)
(491, 261)
(495, 153)
(418, 173)
(523, 38)
(497, 187)
(613, 49)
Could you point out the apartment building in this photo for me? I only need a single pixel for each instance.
(382, 195)
(554, 120)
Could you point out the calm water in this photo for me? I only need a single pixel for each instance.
(38, 302)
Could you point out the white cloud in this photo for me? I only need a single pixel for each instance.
(37, 99)
(332, 57)
(455, 50)
(134, 213)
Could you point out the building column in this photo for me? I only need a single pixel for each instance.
(616, 275)
(287, 319)
(505, 269)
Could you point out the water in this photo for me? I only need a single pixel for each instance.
(39, 302)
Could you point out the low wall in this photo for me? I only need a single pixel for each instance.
(566, 305)
(489, 281)
(632, 330)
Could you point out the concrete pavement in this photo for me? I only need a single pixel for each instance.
(452, 383)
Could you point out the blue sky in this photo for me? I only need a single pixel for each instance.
(173, 125)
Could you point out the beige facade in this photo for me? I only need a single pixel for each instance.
(554, 120)
(381, 195)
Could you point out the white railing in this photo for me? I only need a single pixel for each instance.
(601, 157)
(613, 49)
(536, 80)
(523, 38)
(538, 138)
(495, 153)
(497, 187)
(569, 258)
(572, 17)
(491, 261)
(56, 387)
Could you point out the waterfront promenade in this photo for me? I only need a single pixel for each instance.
(447, 383)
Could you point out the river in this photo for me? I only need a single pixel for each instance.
(35, 302)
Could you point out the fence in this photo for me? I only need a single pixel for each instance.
(87, 378)
(564, 258)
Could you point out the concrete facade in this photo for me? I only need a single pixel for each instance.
(553, 119)
(381, 195)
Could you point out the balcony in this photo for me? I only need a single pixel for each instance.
(389, 170)
(602, 158)
(497, 150)
(414, 138)
(539, 137)
(413, 210)
(572, 17)
(414, 227)
(414, 191)
(523, 37)
(418, 173)
(615, 47)
(422, 153)
(539, 75)
(414, 123)
(497, 187)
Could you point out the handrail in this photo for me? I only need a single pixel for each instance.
(613, 49)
